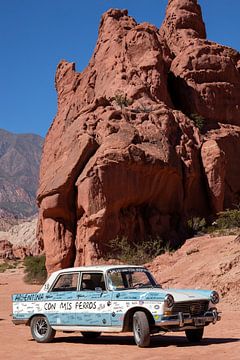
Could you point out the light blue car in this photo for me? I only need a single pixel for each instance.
(119, 298)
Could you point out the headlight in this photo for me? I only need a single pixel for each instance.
(214, 297)
(169, 300)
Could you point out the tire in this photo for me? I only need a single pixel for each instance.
(90, 334)
(195, 335)
(141, 330)
(41, 330)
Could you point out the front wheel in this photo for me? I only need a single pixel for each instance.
(194, 335)
(141, 330)
(41, 330)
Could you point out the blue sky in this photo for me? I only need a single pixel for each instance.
(36, 34)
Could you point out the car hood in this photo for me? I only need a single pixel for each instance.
(189, 294)
(158, 293)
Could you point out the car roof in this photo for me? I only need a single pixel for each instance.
(103, 268)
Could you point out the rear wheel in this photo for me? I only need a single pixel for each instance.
(194, 335)
(41, 330)
(90, 334)
(141, 330)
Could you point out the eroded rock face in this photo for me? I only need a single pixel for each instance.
(122, 157)
(183, 23)
(204, 76)
(220, 157)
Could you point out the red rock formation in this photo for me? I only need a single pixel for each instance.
(183, 23)
(204, 76)
(220, 157)
(122, 157)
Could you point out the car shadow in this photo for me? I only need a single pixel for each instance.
(181, 341)
(156, 340)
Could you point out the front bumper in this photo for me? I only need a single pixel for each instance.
(181, 321)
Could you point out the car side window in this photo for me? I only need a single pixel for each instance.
(116, 280)
(66, 282)
(92, 281)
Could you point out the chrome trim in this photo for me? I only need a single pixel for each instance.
(192, 307)
(180, 319)
(169, 301)
(87, 328)
(214, 296)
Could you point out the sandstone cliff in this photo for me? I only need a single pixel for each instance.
(123, 157)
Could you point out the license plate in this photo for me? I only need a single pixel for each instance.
(199, 321)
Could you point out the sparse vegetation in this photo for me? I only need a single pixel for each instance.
(228, 219)
(121, 100)
(198, 120)
(6, 265)
(196, 225)
(136, 253)
(226, 223)
(35, 270)
(143, 109)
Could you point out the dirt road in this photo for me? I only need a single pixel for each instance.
(221, 341)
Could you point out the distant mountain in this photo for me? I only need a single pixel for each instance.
(19, 169)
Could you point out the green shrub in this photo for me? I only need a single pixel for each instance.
(35, 270)
(121, 100)
(8, 265)
(198, 120)
(196, 225)
(228, 219)
(226, 223)
(135, 253)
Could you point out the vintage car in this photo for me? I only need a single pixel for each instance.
(123, 298)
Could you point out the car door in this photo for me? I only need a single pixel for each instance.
(93, 307)
(60, 300)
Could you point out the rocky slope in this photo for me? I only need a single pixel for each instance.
(198, 265)
(123, 157)
(19, 170)
(20, 240)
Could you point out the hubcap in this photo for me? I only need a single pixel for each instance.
(41, 327)
(137, 330)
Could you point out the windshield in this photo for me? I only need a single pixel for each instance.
(130, 278)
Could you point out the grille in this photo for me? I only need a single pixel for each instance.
(190, 307)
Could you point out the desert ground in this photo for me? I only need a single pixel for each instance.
(221, 341)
